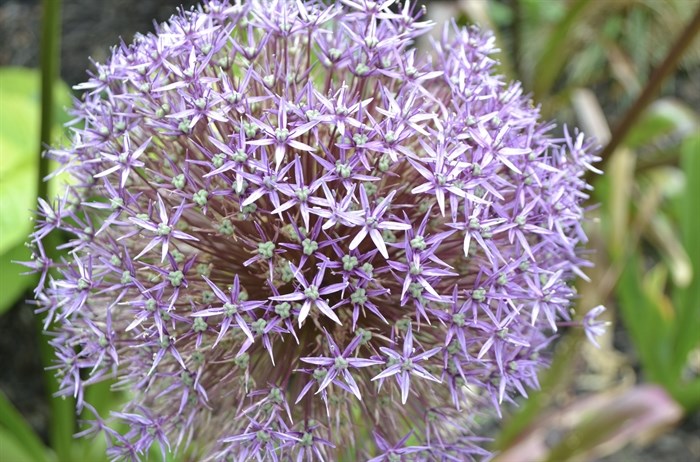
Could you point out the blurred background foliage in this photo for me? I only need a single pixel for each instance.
(19, 143)
(626, 71)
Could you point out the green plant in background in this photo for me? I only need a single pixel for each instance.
(659, 289)
(19, 168)
(610, 46)
(648, 252)
(649, 224)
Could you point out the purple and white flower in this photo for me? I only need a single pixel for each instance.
(289, 229)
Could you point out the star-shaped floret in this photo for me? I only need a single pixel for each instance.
(165, 230)
(398, 451)
(282, 137)
(372, 221)
(310, 293)
(126, 161)
(232, 309)
(340, 362)
(403, 365)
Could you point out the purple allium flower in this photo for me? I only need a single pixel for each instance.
(290, 231)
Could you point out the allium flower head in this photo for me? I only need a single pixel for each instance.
(294, 237)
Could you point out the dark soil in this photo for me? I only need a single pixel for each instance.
(90, 29)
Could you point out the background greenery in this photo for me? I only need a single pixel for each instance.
(628, 73)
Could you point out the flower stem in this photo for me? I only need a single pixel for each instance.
(62, 422)
(50, 62)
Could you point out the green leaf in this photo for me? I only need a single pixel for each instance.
(687, 394)
(19, 144)
(644, 317)
(17, 439)
(11, 450)
(20, 93)
(665, 238)
(620, 176)
(14, 284)
(500, 14)
(17, 199)
(663, 118)
(687, 300)
(557, 50)
(543, 12)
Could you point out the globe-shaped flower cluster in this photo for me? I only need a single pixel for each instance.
(293, 237)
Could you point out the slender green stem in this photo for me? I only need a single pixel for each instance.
(658, 76)
(62, 423)
(50, 63)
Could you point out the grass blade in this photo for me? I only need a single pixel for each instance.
(643, 318)
(687, 300)
(17, 430)
(557, 51)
